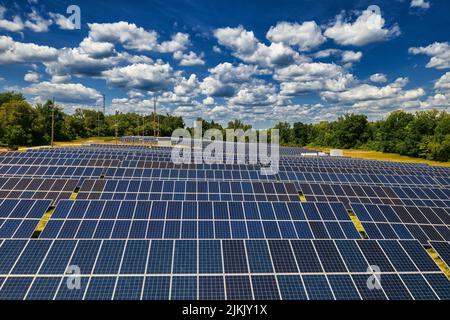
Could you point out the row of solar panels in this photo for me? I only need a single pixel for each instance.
(384, 222)
(57, 189)
(149, 174)
(409, 196)
(214, 269)
(331, 162)
(60, 162)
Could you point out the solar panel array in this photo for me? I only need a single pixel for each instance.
(219, 269)
(124, 222)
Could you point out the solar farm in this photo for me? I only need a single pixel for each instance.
(123, 222)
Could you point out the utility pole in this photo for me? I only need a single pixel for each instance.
(154, 115)
(117, 126)
(104, 104)
(98, 121)
(53, 121)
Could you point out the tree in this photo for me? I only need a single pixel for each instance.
(285, 132)
(10, 96)
(20, 124)
(238, 124)
(45, 111)
(392, 132)
(351, 131)
(301, 133)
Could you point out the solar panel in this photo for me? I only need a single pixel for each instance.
(404, 222)
(144, 228)
(443, 250)
(252, 269)
(19, 218)
(95, 219)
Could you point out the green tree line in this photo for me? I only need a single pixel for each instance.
(425, 134)
(22, 124)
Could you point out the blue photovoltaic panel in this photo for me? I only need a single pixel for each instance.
(101, 288)
(155, 230)
(43, 288)
(343, 287)
(291, 287)
(443, 250)
(265, 288)
(317, 287)
(15, 288)
(211, 288)
(238, 288)
(234, 257)
(156, 288)
(199, 220)
(129, 288)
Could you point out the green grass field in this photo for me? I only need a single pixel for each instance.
(375, 155)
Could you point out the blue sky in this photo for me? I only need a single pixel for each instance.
(259, 61)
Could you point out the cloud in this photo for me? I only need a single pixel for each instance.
(14, 25)
(189, 59)
(439, 53)
(90, 59)
(136, 38)
(367, 92)
(62, 21)
(258, 94)
(37, 23)
(19, 52)
(246, 47)
(346, 55)
(377, 101)
(312, 76)
(305, 36)
(351, 56)
(378, 78)
(179, 42)
(443, 84)
(128, 34)
(187, 87)
(34, 21)
(141, 76)
(215, 88)
(31, 76)
(225, 78)
(63, 92)
(422, 4)
(368, 28)
(209, 101)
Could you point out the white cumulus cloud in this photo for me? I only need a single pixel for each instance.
(369, 27)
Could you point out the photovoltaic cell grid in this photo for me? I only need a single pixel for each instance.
(409, 196)
(187, 190)
(403, 222)
(443, 250)
(97, 167)
(227, 208)
(19, 218)
(28, 188)
(218, 269)
(99, 219)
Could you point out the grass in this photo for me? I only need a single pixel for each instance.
(375, 155)
(44, 220)
(442, 265)
(75, 143)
